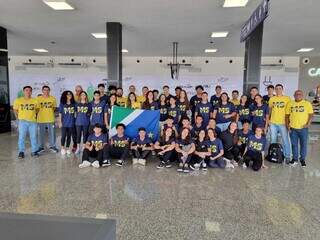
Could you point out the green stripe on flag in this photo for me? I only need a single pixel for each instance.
(118, 114)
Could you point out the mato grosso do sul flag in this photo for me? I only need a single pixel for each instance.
(135, 119)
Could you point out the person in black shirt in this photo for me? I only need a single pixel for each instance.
(155, 95)
(253, 93)
(214, 100)
(165, 148)
(178, 91)
(183, 103)
(195, 100)
(149, 103)
(197, 127)
(166, 92)
(201, 152)
(229, 140)
(270, 90)
(103, 95)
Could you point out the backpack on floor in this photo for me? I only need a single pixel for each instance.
(275, 153)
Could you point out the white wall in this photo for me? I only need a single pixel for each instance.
(148, 72)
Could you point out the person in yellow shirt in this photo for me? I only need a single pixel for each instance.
(26, 109)
(132, 101)
(141, 99)
(299, 115)
(235, 98)
(121, 100)
(46, 119)
(77, 91)
(277, 106)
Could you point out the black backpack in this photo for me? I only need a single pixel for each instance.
(275, 153)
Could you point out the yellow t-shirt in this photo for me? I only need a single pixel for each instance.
(135, 105)
(26, 108)
(122, 101)
(141, 99)
(235, 102)
(299, 113)
(277, 106)
(47, 106)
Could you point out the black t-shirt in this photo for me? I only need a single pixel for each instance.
(228, 139)
(163, 112)
(201, 146)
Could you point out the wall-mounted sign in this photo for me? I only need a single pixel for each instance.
(257, 17)
(314, 72)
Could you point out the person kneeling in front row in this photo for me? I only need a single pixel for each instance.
(95, 147)
(119, 146)
(215, 149)
(141, 147)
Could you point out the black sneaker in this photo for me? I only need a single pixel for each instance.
(120, 163)
(186, 168)
(293, 163)
(168, 164)
(106, 163)
(161, 165)
(303, 163)
(35, 154)
(54, 149)
(21, 155)
(40, 150)
(180, 168)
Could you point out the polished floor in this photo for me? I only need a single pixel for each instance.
(278, 203)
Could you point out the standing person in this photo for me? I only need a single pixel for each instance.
(46, 119)
(141, 147)
(132, 89)
(121, 100)
(108, 108)
(82, 122)
(174, 111)
(132, 101)
(230, 140)
(195, 100)
(185, 147)
(201, 152)
(260, 114)
(224, 112)
(78, 89)
(235, 98)
(255, 150)
(156, 95)
(66, 120)
(277, 105)
(183, 103)
(270, 94)
(299, 115)
(142, 98)
(150, 104)
(214, 100)
(166, 92)
(99, 113)
(243, 111)
(103, 95)
(26, 109)
(163, 109)
(216, 151)
(165, 148)
(253, 92)
(205, 109)
(119, 146)
(177, 91)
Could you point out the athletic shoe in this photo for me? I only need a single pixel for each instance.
(204, 166)
(228, 163)
(161, 165)
(68, 152)
(54, 149)
(153, 153)
(244, 166)
(120, 163)
(303, 163)
(135, 161)
(40, 150)
(85, 164)
(196, 166)
(168, 164)
(95, 164)
(35, 154)
(293, 163)
(186, 168)
(180, 168)
(106, 163)
(234, 163)
(142, 162)
(287, 160)
(21, 155)
(63, 151)
(77, 151)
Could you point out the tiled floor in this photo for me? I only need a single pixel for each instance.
(277, 203)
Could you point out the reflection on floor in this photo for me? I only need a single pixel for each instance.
(278, 203)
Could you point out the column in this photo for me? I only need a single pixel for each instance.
(114, 52)
(5, 118)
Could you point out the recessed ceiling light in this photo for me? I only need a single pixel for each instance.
(125, 50)
(41, 50)
(58, 4)
(305, 50)
(219, 34)
(210, 50)
(99, 35)
(235, 3)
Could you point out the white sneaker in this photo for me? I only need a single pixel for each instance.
(153, 153)
(77, 151)
(95, 164)
(135, 161)
(68, 152)
(196, 166)
(85, 164)
(244, 166)
(234, 163)
(63, 151)
(228, 163)
(142, 161)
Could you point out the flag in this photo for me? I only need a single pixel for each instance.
(135, 119)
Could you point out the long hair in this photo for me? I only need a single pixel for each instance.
(235, 134)
(164, 99)
(188, 138)
(85, 94)
(109, 100)
(246, 103)
(129, 103)
(146, 104)
(186, 100)
(220, 99)
(163, 137)
(63, 98)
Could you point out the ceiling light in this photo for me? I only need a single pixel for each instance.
(58, 4)
(305, 50)
(235, 3)
(210, 50)
(99, 35)
(41, 50)
(125, 50)
(219, 34)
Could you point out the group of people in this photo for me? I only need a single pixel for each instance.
(200, 132)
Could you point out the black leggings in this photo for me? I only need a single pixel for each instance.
(66, 133)
(166, 156)
(232, 154)
(82, 131)
(96, 155)
(117, 152)
(255, 157)
(141, 154)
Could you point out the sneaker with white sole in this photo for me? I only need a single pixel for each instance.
(168, 164)
(186, 168)
(63, 151)
(161, 165)
(293, 163)
(244, 166)
(95, 164)
(85, 164)
(106, 163)
(303, 163)
(235, 163)
(142, 162)
(54, 149)
(69, 152)
(204, 166)
(120, 163)
(135, 161)
(180, 168)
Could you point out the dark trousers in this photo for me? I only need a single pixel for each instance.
(96, 155)
(187, 160)
(196, 159)
(66, 133)
(166, 156)
(232, 154)
(141, 154)
(117, 152)
(242, 148)
(217, 163)
(82, 131)
(255, 157)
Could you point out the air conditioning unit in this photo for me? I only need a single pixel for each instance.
(275, 66)
(72, 65)
(38, 64)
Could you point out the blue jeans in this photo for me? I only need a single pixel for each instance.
(24, 128)
(223, 126)
(282, 129)
(52, 134)
(299, 136)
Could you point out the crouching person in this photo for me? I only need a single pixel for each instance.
(141, 147)
(215, 148)
(119, 146)
(95, 148)
(165, 148)
(255, 150)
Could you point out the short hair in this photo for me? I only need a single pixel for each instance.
(155, 90)
(254, 88)
(112, 87)
(199, 87)
(165, 86)
(245, 121)
(142, 129)
(98, 125)
(199, 116)
(270, 86)
(145, 87)
(173, 98)
(218, 86)
(96, 92)
(101, 85)
(45, 86)
(119, 88)
(204, 93)
(279, 85)
(170, 117)
(185, 118)
(25, 87)
(120, 125)
(235, 91)
(178, 88)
